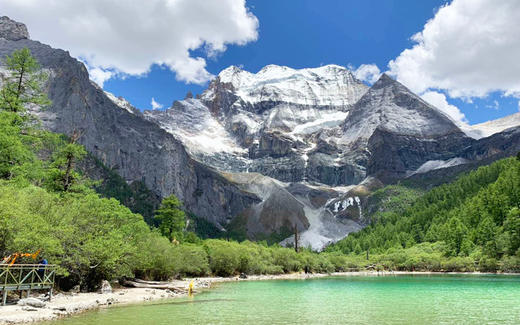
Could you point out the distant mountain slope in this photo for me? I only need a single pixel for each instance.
(390, 106)
(489, 128)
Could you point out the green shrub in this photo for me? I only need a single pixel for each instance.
(458, 264)
(287, 259)
(224, 257)
(510, 264)
(191, 259)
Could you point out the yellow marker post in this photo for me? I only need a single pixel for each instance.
(190, 288)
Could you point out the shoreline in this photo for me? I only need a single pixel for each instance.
(67, 304)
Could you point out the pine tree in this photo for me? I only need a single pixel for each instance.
(62, 175)
(171, 218)
(23, 85)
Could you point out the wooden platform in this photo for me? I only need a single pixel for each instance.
(26, 277)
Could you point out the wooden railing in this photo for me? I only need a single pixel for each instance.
(20, 277)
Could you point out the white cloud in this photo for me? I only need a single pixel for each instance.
(369, 73)
(156, 105)
(99, 76)
(469, 49)
(439, 100)
(126, 37)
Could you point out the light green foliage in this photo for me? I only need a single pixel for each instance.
(287, 259)
(224, 257)
(171, 219)
(14, 152)
(89, 237)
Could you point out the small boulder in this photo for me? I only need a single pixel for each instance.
(32, 302)
(243, 276)
(106, 287)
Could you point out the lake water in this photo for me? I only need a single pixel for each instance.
(435, 299)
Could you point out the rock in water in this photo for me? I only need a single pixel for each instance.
(32, 302)
(106, 287)
(12, 30)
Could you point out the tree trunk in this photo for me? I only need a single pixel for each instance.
(70, 162)
(296, 248)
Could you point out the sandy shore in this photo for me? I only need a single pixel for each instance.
(65, 304)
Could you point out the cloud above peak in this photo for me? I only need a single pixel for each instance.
(368, 73)
(470, 48)
(127, 37)
(439, 100)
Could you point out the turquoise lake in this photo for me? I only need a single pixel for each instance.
(419, 299)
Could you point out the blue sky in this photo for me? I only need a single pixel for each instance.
(305, 33)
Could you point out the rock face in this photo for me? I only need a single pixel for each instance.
(12, 30)
(281, 148)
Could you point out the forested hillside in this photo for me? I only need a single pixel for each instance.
(472, 223)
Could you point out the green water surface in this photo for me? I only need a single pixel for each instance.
(436, 299)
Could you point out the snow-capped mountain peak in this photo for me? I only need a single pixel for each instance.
(391, 106)
(329, 85)
(122, 102)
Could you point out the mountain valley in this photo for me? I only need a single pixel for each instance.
(282, 149)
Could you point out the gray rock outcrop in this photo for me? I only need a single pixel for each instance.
(12, 30)
(32, 302)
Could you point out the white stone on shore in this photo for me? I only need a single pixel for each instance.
(106, 287)
(33, 302)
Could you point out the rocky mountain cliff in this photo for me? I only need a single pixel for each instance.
(280, 148)
(136, 148)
